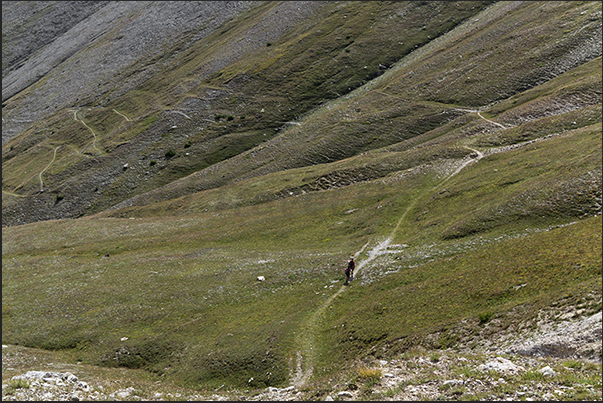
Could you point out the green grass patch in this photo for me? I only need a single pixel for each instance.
(405, 306)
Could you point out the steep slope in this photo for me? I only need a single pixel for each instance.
(86, 60)
(168, 135)
(28, 26)
(161, 148)
(394, 109)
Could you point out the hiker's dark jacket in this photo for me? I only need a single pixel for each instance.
(351, 266)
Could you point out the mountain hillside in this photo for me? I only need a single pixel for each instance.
(184, 182)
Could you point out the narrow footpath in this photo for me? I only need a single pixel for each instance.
(307, 334)
(47, 166)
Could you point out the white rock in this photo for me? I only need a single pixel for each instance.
(261, 278)
(329, 399)
(347, 394)
(123, 394)
(547, 371)
(500, 364)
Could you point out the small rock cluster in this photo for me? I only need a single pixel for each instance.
(45, 386)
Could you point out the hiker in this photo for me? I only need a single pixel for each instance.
(349, 271)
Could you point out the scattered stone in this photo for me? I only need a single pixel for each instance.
(453, 382)
(547, 371)
(501, 364)
(261, 278)
(125, 393)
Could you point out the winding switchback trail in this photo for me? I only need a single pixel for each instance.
(479, 113)
(307, 334)
(88, 127)
(121, 114)
(491, 121)
(181, 113)
(48, 166)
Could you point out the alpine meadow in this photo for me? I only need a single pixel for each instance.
(184, 183)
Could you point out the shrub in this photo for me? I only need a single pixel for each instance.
(170, 153)
(369, 375)
(485, 317)
(221, 116)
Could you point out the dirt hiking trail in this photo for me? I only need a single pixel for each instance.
(306, 336)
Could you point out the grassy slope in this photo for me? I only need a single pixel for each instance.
(401, 309)
(180, 277)
(434, 146)
(195, 289)
(399, 106)
(286, 80)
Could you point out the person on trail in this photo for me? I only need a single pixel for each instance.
(349, 271)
